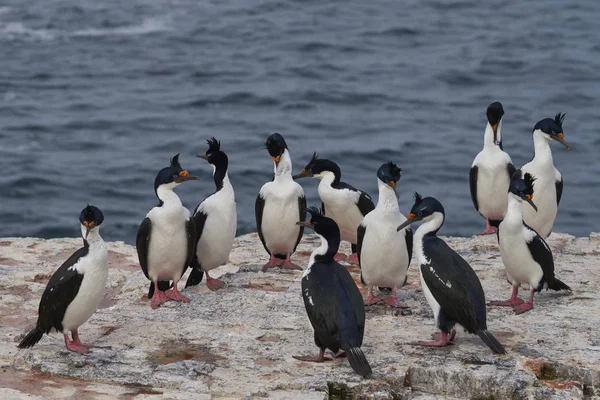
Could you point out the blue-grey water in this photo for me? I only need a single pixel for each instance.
(96, 96)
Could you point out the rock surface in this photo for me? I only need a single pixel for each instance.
(238, 343)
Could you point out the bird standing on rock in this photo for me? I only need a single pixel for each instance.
(526, 256)
(343, 203)
(450, 285)
(548, 184)
(75, 290)
(383, 252)
(333, 302)
(279, 205)
(166, 237)
(491, 172)
(215, 220)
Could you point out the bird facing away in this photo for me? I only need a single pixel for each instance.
(548, 184)
(166, 237)
(216, 221)
(279, 205)
(526, 256)
(343, 203)
(333, 302)
(450, 285)
(75, 290)
(491, 172)
(383, 252)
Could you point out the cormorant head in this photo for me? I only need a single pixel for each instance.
(553, 129)
(318, 168)
(276, 146)
(321, 224)
(389, 173)
(91, 218)
(173, 175)
(214, 155)
(495, 111)
(424, 209)
(523, 187)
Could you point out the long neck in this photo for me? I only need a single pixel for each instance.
(283, 169)
(488, 136)
(541, 146)
(328, 179)
(328, 248)
(431, 226)
(167, 196)
(93, 238)
(388, 199)
(220, 174)
(514, 212)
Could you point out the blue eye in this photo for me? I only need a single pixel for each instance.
(420, 213)
(553, 132)
(175, 176)
(521, 194)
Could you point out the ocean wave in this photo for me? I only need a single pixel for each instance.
(16, 30)
(148, 26)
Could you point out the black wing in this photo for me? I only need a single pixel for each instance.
(142, 243)
(195, 277)
(259, 207)
(473, 185)
(302, 210)
(511, 170)
(542, 255)
(60, 292)
(409, 243)
(559, 188)
(323, 208)
(351, 309)
(190, 227)
(360, 235)
(454, 285)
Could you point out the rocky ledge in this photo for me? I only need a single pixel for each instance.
(238, 343)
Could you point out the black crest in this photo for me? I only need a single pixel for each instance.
(418, 198)
(91, 214)
(314, 212)
(314, 158)
(275, 145)
(175, 162)
(559, 118)
(213, 145)
(389, 172)
(529, 179)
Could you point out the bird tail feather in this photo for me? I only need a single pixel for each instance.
(557, 285)
(491, 341)
(359, 362)
(32, 338)
(195, 277)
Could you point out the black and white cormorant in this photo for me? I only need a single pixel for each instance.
(279, 205)
(166, 237)
(526, 256)
(75, 290)
(548, 184)
(491, 172)
(451, 287)
(216, 221)
(333, 302)
(383, 252)
(346, 205)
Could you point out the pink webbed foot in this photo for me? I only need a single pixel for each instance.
(521, 308)
(174, 294)
(340, 354)
(291, 266)
(372, 300)
(392, 301)
(507, 303)
(488, 229)
(438, 336)
(75, 344)
(158, 298)
(319, 358)
(340, 257)
(214, 284)
(353, 259)
(443, 340)
(273, 262)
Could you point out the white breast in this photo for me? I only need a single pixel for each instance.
(544, 197)
(167, 250)
(95, 273)
(384, 257)
(218, 234)
(280, 214)
(341, 206)
(492, 182)
(520, 265)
